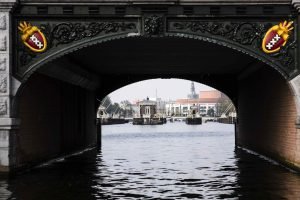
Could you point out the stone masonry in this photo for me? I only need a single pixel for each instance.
(7, 123)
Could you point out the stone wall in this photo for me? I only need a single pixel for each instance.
(56, 119)
(7, 122)
(267, 116)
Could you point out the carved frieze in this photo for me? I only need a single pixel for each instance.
(65, 33)
(3, 83)
(59, 35)
(296, 4)
(247, 34)
(3, 42)
(241, 32)
(2, 63)
(153, 25)
(2, 21)
(3, 106)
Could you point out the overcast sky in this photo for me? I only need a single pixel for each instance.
(166, 89)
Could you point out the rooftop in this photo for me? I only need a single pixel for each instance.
(197, 101)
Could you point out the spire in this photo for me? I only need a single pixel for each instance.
(193, 94)
(193, 89)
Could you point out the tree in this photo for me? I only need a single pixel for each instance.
(126, 107)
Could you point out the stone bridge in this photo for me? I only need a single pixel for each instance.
(69, 53)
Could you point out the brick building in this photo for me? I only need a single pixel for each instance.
(147, 108)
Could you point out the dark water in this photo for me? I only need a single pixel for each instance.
(173, 161)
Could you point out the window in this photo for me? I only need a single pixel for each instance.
(147, 110)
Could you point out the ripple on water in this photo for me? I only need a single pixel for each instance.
(173, 161)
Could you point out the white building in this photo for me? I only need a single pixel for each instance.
(160, 105)
(207, 100)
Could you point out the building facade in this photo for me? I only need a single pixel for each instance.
(147, 108)
(207, 101)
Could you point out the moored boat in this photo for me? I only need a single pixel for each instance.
(194, 116)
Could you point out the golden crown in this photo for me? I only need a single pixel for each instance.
(23, 27)
(27, 29)
(284, 28)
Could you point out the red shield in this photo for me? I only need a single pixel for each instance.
(276, 37)
(36, 41)
(273, 41)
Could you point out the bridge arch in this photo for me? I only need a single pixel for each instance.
(74, 79)
(57, 53)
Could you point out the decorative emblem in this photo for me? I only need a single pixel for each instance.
(32, 37)
(3, 106)
(153, 25)
(276, 37)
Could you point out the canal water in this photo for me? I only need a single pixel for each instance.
(171, 161)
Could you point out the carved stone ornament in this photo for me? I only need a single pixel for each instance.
(2, 21)
(243, 36)
(3, 42)
(248, 34)
(58, 34)
(3, 106)
(69, 32)
(241, 32)
(153, 25)
(3, 84)
(2, 63)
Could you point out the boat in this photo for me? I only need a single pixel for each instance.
(110, 121)
(193, 116)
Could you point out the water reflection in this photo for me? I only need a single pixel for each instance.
(174, 161)
(71, 178)
(258, 179)
(5, 193)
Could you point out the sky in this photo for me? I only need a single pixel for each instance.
(167, 89)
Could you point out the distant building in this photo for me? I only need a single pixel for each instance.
(209, 100)
(212, 94)
(148, 114)
(171, 108)
(160, 105)
(147, 108)
(182, 107)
